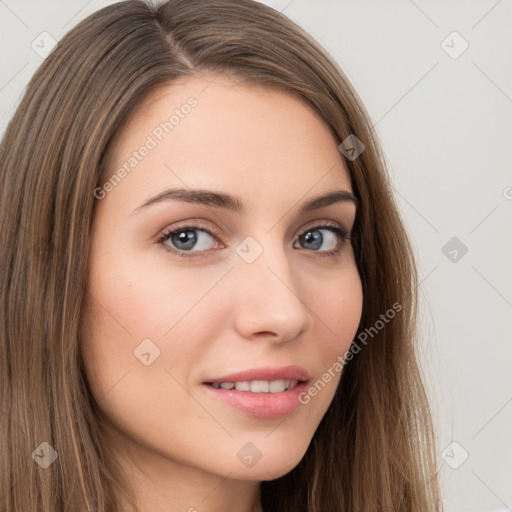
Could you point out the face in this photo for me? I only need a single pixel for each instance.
(188, 291)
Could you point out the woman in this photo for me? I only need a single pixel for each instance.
(208, 297)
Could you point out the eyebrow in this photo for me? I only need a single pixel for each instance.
(235, 204)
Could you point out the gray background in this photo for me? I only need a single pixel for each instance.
(444, 118)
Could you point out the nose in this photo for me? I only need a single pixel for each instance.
(267, 299)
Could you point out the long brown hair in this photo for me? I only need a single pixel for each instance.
(374, 448)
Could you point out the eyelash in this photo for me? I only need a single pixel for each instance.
(340, 232)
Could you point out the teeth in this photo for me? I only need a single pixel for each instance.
(258, 386)
(278, 386)
(243, 386)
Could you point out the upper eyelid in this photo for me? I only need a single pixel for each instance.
(196, 225)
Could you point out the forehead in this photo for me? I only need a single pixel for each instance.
(215, 133)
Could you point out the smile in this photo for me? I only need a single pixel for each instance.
(258, 386)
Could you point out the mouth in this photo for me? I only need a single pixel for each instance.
(257, 386)
(269, 392)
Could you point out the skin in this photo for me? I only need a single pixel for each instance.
(214, 315)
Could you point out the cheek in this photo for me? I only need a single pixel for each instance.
(338, 308)
(147, 300)
(138, 344)
(142, 313)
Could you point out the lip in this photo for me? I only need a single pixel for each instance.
(292, 372)
(261, 405)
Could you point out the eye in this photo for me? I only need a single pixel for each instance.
(186, 240)
(316, 237)
(191, 241)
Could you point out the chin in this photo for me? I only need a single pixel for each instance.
(272, 465)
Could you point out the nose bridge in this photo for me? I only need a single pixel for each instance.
(268, 297)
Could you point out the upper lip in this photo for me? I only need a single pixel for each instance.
(270, 373)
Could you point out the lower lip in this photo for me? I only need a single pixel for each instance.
(260, 405)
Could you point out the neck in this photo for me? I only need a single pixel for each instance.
(160, 484)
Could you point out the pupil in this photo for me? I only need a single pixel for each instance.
(187, 238)
(314, 236)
